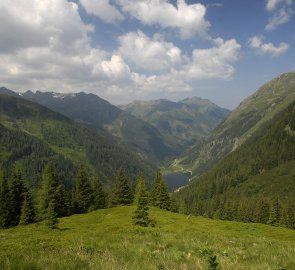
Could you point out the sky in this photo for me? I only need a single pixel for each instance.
(125, 50)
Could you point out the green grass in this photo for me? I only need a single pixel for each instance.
(106, 239)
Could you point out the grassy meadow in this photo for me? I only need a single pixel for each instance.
(106, 239)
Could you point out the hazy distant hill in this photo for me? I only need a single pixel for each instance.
(182, 123)
(31, 134)
(109, 120)
(241, 124)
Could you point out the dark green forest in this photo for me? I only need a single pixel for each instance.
(255, 183)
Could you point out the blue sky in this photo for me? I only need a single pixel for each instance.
(123, 50)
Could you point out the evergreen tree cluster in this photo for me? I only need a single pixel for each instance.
(53, 200)
(257, 209)
(16, 205)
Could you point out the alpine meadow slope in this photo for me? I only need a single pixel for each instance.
(241, 124)
(108, 240)
(32, 134)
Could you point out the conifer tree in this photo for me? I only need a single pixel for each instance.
(51, 215)
(140, 215)
(99, 196)
(275, 212)
(159, 195)
(83, 193)
(163, 197)
(140, 189)
(261, 212)
(4, 202)
(51, 189)
(154, 192)
(121, 192)
(27, 211)
(16, 197)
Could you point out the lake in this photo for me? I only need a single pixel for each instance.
(174, 180)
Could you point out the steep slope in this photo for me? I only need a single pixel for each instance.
(109, 120)
(262, 167)
(241, 124)
(31, 132)
(181, 123)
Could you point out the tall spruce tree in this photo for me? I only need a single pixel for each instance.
(27, 211)
(140, 215)
(4, 202)
(140, 189)
(121, 193)
(51, 189)
(261, 212)
(163, 197)
(99, 196)
(16, 197)
(51, 215)
(83, 192)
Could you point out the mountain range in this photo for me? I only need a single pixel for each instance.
(157, 130)
(181, 123)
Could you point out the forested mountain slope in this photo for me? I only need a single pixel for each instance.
(261, 169)
(31, 134)
(107, 119)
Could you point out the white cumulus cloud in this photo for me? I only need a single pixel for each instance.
(281, 13)
(102, 9)
(148, 53)
(257, 43)
(188, 19)
(215, 62)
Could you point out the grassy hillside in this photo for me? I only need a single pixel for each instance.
(26, 122)
(241, 124)
(109, 120)
(181, 123)
(106, 239)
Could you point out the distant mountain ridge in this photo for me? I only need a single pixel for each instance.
(182, 123)
(240, 125)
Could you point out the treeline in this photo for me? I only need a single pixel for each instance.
(260, 209)
(20, 206)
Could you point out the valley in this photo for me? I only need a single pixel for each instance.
(147, 135)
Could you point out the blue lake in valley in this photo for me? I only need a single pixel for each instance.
(174, 180)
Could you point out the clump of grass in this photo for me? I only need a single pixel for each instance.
(211, 258)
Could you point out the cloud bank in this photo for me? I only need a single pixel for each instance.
(45, 45)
